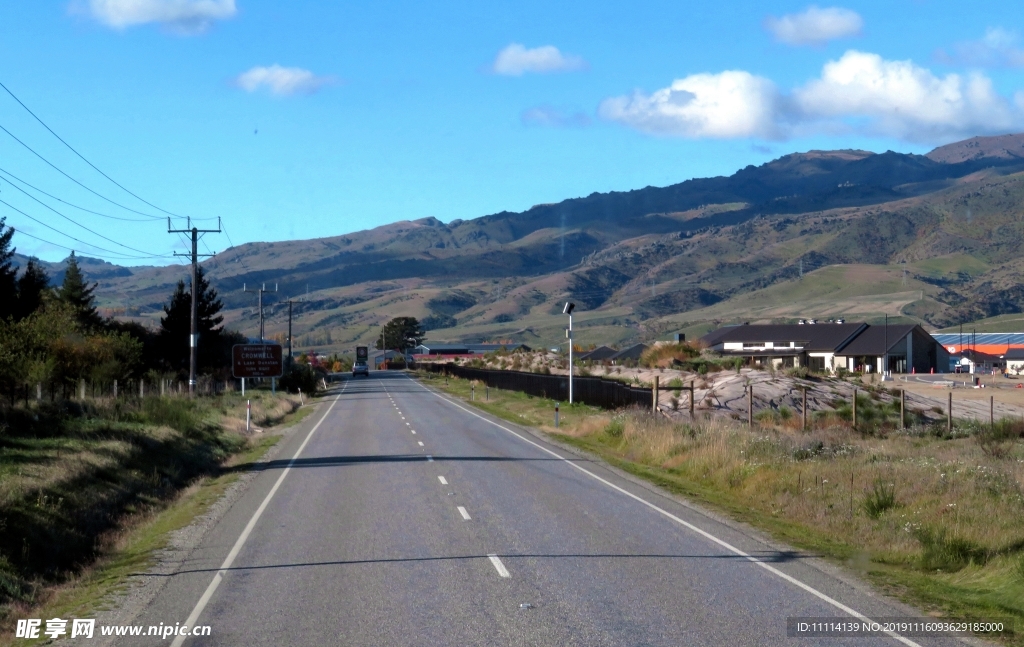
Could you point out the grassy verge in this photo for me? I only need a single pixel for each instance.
(934, 519)
(88, 493)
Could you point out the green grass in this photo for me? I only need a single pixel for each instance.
(84, 509)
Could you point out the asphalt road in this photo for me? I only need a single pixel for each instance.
(395, 516)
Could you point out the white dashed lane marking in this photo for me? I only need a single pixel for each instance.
(443, 480)
(465, 515)
(421, 443)
(498, 566)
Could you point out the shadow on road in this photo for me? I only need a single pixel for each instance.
(337, 461)
(768, 557)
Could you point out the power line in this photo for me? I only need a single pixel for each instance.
(80, 156)
(118, 254)
(94, 233)
(75, 206)
(54, 167)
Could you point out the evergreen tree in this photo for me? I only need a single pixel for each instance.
(176, 325)
(401, 334)
(31, 287)
(8, 284)
(77, 293)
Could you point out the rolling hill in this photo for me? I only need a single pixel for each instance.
(933, 239)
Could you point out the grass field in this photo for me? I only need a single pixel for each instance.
(934, 519)
(86, 497)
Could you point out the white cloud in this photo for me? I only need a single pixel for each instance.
(903, 100)
(515, 60)
(185, 16)
(997, 48)
(725, 105)
(859, 93)
(553, 117)
(282, 81)
(815, 26)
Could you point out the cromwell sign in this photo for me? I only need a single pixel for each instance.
(256, 360)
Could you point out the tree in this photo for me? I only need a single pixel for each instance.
(77, 293)
(401, 333)
(8, 285)
(176, 325)
(32, 285)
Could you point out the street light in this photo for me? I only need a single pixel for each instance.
(567, 310)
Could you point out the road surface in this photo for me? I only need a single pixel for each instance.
(396, 516)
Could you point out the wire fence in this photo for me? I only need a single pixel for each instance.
(595, 391)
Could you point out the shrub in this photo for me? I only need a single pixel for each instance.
(943, 552)
(880, 499)
(300, 376)
(615, 427)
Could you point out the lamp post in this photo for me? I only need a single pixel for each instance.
(567, 310)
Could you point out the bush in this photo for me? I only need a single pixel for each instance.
(615, 427)
(300, 376)
(880, 499)
(943, 552)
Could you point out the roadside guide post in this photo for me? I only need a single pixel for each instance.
(248, 414)
(654, 395)
(556, 415)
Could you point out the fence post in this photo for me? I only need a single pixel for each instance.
(487, 392)
(854, 407)
(949, 414)
(750, 406)
(142, 388)
(903, 409)
(691, 400)
(115, 388)
(81, 389)
(39, 391)
(654, 395)
(803, 426)
(992, 411)
(472, 392)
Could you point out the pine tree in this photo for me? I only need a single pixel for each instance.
(32, 284)
(8, 285)
(176, 325)
(77, 293)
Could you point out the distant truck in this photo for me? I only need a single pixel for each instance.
(360, 366)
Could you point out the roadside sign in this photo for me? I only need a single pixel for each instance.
(256, 360)
(362, 352)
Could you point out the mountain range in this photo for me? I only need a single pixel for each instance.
(929, 238)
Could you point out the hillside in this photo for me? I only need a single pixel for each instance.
(930, 238)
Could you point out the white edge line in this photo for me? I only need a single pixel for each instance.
(240, 542)
(721, 542)
(498, 566)
(462, 511)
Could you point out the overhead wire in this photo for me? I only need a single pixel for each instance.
(54, 167)
(94, 233)
(82, 157)
(75, 206)
(77, 240)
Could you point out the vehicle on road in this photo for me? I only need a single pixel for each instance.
(360, 366)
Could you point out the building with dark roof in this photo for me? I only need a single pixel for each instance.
(598, 354)
(901, 348)
(632, 352)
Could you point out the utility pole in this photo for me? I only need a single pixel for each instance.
(260, 290)
(193, 338)
(290, 302)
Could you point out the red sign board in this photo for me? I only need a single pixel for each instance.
(256, 360)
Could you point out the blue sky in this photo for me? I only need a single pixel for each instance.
(309, 119)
